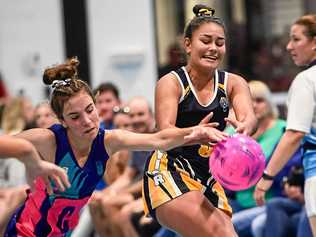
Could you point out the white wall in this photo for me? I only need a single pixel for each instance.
(29, 28)
(121, 42)
(166, 12)
(122, 49)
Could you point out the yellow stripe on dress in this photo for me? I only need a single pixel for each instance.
(220, 85)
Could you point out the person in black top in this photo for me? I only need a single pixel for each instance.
(178, 189)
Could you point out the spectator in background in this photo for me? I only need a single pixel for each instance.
(28, 113)
(269, 131)
(44, 115)
(113, 207)
(107, 97)
(176, 58)
(13, 119)
(301, 117)
(283, 213)
(115, 168)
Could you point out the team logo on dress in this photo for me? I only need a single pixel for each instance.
(99, 165)
(205, 151)
(223, 102)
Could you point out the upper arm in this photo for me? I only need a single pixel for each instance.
(239, 96)
(167, 95)
(43, 140)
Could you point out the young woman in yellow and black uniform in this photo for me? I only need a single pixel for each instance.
(178, 188)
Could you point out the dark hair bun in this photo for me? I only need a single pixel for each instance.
(62, 71)
(202, 10)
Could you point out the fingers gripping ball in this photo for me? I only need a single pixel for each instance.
(237, 163)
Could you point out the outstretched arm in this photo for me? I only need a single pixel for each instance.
(166, 139)
(239, 95)
(26, 153)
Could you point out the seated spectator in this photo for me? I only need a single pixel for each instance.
(284, 216)
(107, 97)
(270, 130)
(115, 168)
(113, 208)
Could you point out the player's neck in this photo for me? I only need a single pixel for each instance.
(200, 79)
(79, 146)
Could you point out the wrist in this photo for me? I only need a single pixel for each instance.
(267, 176)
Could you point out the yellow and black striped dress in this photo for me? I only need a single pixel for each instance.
(183, 169)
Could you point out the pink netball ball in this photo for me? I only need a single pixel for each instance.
(237, 163)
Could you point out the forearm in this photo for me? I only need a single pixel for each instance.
(18, 148)
(287, 146)
(249, 121)
(252, 123)
(120, 183)
(135, 188)
(172, 137)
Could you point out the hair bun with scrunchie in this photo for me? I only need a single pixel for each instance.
(202, 10)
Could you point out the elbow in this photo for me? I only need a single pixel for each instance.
(26, 149)
(295, 136)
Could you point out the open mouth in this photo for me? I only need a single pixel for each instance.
(89, 130)
(210, 58)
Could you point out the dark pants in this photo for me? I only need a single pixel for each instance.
(281, 213)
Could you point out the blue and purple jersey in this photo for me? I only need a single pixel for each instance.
(57, 215)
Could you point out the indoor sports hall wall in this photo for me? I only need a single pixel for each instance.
(121, 44)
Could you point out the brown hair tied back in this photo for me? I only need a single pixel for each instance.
(202, 10)
(67, 70)
(203, 14)
(65, 83)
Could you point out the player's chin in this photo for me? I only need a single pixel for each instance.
(91, 134)
(210, 64)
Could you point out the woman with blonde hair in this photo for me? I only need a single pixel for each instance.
(301, 118)
(13, 119)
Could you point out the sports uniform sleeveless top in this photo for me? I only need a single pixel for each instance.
(57, 214)
(191, 111)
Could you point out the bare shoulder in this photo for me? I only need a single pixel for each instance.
(37, 134)
(168, 89)
(235, 80)
(168, 80)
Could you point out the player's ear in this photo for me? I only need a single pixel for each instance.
(187, 45)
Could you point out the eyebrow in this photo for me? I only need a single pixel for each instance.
(211, 36)
(75, 113)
